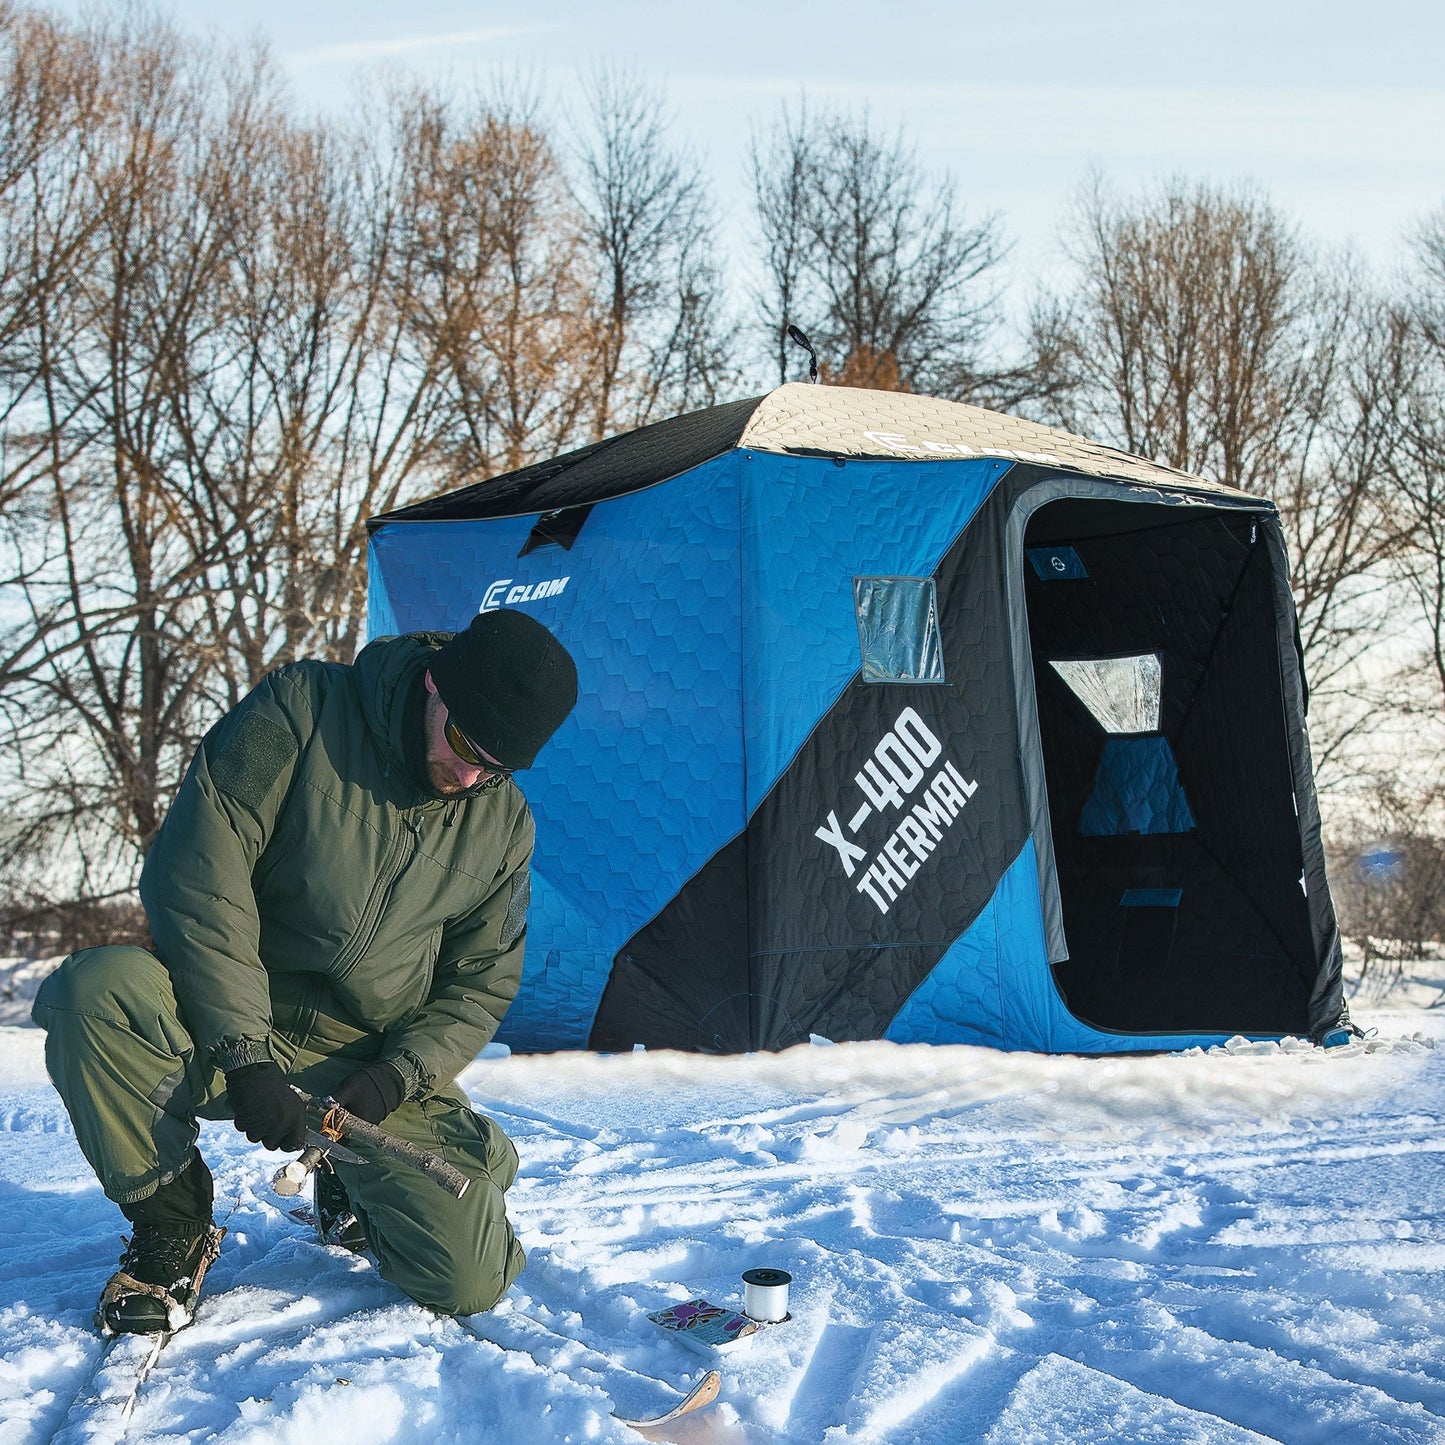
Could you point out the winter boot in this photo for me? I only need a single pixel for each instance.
(336, 1221)
(166, 1257)
(159, 1279)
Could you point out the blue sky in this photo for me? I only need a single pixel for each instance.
(1337, 110)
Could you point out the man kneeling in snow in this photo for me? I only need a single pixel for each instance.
(338, 899)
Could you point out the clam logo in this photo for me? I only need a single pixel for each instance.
(505, 594)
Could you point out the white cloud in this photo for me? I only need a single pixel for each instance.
(350, 51)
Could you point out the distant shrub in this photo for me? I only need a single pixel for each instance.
(1389, 892)
(39, 928)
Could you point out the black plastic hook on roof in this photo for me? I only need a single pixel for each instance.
(798, 338)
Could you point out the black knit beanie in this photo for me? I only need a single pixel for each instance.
(508, 683)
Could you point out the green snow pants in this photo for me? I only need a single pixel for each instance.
(127, 1071)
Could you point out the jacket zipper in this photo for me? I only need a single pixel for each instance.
(401, 852)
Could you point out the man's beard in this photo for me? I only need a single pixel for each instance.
(443, 782)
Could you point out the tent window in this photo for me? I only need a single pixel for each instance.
(1122, 693)
(898, 629)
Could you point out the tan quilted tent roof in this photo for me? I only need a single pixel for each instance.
(848, 421)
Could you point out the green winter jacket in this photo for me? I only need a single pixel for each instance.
(308, 880)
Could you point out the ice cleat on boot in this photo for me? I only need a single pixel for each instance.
(159, 1280)
(336, 1221)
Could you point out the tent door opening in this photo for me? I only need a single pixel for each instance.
(1154, 637)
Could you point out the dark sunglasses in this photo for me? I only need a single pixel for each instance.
(469, 752)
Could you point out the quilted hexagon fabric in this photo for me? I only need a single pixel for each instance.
(712, 621)
(1136, 790)
(644, 781)
(810, 526)
(851, 422)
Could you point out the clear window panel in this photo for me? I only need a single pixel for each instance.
(1121, 692)
(898, 629)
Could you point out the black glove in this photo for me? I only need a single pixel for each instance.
(265, 1108)
(372, 1093)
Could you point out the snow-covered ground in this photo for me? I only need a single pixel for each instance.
(1239, 1245)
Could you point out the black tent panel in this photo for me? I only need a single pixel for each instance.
(591, 474)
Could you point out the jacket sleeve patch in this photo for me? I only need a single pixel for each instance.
(253, 755)
(521, 896)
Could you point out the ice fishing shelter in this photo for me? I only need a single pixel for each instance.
(898, 719)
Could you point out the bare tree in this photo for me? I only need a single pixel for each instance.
(101, 667)
(229, 339)
(782, 169)
(666, 345)
(49, 83)
(319, 404)
(1181, 339)
(224, 386)
(1419, 459)
(1202, 332)
(407, 308)
(508, 290)
(257, 413)
(872, 257)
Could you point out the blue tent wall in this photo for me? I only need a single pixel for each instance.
(809, 527)
(644, 782)
(709, 610)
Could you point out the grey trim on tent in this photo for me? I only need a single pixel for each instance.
(1328, 1007)
(1053, 488)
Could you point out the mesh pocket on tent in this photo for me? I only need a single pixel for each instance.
(1149, 918)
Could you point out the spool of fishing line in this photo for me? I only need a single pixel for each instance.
(765, 1294)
